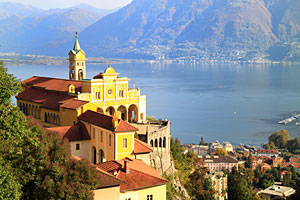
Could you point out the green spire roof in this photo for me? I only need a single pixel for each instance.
(76, 45)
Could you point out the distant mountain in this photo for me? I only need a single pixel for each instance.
(44, 33)
(158, 29)
(180, 28)
(8, 9)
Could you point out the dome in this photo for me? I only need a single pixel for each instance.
(109, 70)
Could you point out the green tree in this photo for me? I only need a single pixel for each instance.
(238, 187)
(280, 138)
(10, 188)
(221, 152)
(202, 188)
(294, 146)
(39, 162)
(9, 85)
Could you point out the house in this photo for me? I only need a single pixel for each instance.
(276, 192)
(58, 102)
(267, 152)
(219, 163)
(108, 185)
(141, 180)
(99, 138)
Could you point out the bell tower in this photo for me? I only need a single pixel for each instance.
(77, 62)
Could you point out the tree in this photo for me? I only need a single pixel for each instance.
(221, 152)
(9, 86)
(202, 141)
(10, 188)
(280, 138)
(202, 187)
(249, 162)
(238, 187)
(37, 162)
(294, 146)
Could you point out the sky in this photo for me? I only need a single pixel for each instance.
(47, 4)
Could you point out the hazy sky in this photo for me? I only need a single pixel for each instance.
(46, 4)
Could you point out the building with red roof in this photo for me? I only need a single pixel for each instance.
(99, 138)
(58, 102)
(141, 180)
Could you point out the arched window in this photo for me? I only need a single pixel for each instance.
(155, 145)
(46, 117)
(164, 142)
(160, 142)
(21, 106)
(151, 143)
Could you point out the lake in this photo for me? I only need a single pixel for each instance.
(239, 103)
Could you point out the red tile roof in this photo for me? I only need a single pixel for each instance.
(137, 180)
(54, 84)
(72, 133)
(105, 121)
(141, 147)
(72, 103)
(267, 151)
(104, 179)
(50, 100)
(98, 76)
(141, 175)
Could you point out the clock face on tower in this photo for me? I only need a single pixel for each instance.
(109, 92)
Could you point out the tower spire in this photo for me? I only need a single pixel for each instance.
(76, 45)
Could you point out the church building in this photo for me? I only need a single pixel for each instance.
(58, 102)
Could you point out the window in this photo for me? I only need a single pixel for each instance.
(125, 143)
(46, 117)
(109, 140)
(121, 93)
(93, 133)
(97, 95)
(127, 198)
(101, 137)
(74, 122)
(150, 197)
(77, 146)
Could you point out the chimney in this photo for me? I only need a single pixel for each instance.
(126, 166)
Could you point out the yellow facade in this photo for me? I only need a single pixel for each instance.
(107, 145)
(113, 96)
(110, 193)
(157, 192)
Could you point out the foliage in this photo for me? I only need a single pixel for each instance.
(10, 188)
(151, 118)
(9, 86)
(249, 161)
(202, 188)
(171, 192)
(221, 152)
(239, 187)
(294, 146)
(39, 162)
(202, 142)
(280, 138)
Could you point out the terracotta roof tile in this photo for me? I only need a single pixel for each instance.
(267, 151)
(53, 84)
(45, 98)
(104, 179)
(72, 103)
(141, 175)
(141, 147)
(137, 180)
(50, 100)
(105, 121)
(98, 76)
(72, 133)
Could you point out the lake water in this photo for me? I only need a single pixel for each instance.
(225, 102)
